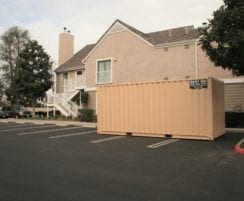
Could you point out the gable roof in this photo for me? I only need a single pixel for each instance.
(157, 38)
(173, 35)
(166, 36)
(75, 62)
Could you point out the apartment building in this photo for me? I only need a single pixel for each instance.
(124, 54)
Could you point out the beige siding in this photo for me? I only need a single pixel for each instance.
(234, 96)
(59, 83)
(161, 108)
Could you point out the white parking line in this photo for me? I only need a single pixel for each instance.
(162, 143)
(30, 127)
(51, 130)
(107, 139)
(72, 134)
(15, 126)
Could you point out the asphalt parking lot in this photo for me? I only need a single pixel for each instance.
(73, 163)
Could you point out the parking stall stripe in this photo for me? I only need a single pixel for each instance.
(162, 143)
(72, 134)
(29, 127)
(51, 130)
(15, 126)
(107, 139)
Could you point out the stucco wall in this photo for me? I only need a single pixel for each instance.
(66, 47)
(92, 100)
(207, 69)
(136, 61)
(71, 75)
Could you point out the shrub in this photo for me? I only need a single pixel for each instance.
(84, 97)
(234, 119)
(86, 114)
(95, 118)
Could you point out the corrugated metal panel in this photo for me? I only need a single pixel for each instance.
(160, 108)
(218, 108)
(234, 96)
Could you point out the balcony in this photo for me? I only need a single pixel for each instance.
(73, 84)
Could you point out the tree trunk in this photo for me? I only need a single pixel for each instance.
(33, 108)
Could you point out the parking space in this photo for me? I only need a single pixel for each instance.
(50, 162)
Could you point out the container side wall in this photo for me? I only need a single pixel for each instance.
(218, 108)
(156, 109)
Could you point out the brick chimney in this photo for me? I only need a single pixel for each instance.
(66, 46)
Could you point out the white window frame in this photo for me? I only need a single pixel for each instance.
(111, 70)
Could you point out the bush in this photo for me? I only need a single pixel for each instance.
(234, 119)
(94, 118)
(86, 114)
(84, 97)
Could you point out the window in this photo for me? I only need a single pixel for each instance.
(65, 76)
(79, 73)
(104, 72)
(65, 81)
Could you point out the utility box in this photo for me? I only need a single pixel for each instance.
(189, 109)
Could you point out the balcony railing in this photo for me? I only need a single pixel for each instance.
(72, 84)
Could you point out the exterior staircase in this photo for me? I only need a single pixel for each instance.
(63, 103)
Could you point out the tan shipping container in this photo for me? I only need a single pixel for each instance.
(159, 109)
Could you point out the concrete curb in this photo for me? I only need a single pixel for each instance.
(58, 123)
(234, 130)
(238, 148)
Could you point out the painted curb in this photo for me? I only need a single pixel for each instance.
(238, 148)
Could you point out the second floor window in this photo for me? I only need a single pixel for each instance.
(104, 72)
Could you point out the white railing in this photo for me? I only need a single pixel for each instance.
(50, 99)
(66, 107)
(79, 82)
(72, 84)
(74, 107)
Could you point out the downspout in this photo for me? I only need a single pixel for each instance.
(196, 58)
(54, 94)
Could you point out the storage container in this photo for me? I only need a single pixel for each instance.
(190, 109)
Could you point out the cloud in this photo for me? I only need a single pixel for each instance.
(89, 19)
(46, 33)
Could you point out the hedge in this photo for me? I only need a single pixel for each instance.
(234, 119)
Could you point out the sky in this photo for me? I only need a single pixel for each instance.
(89, 19)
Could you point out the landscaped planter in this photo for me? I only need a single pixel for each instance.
(239, 148)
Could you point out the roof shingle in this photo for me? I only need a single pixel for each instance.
(166, 36)
(173, 35)
(75, 62)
